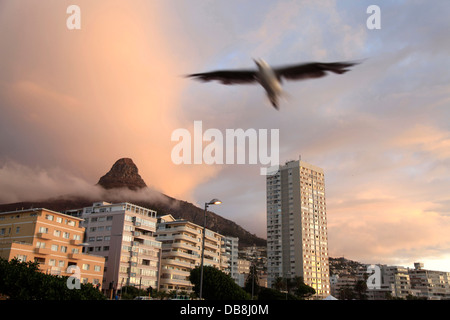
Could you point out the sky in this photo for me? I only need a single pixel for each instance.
(72, 102)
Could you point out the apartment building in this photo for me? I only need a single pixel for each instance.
(297, 240)
(231, 245)
(338, 283)
(52, 239)
(429, 284)
(124, 234)
(182, 249)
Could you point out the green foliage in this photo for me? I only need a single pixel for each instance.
(24, 281)
(273, 294)
(131, 292)
(251, 283)
(295, 285)
(216, 285)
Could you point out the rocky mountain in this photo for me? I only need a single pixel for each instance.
(123, 174)
(124, 184)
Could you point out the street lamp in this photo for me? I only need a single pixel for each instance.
(207, 204)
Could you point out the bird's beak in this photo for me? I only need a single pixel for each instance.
(256, 61)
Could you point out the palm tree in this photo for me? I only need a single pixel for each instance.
(279, 283)
(252, 282)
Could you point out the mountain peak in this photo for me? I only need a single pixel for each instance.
(123, 174)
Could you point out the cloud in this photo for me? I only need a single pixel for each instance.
(22, 183)
(72, 103)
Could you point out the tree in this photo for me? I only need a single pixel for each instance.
(295, 285)
(252, 283)
(23, 281)
(347, 293)
(302, 290)
(360, 290)
(279, 284)
(216, 285)
(273, 294)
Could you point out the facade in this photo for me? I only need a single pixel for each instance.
(51, 238)
(341, 282)
(124, 234)
(231, 245)
(182, 249)
(297, 239)
(243, 271)
(429, 284)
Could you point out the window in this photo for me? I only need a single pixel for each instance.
(54, 247)
(63, 249)
(61, 263)
(52, 262)
(71, 223)
(59, 219)
(40, 244)
(91, 239)
(66, 235)
(85, 266)
(57, 233)
(21, 257)
(43, 230)
(17, 229)
(49, 217)
(76, 237)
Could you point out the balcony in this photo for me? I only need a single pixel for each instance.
(41, 251)
(75, 256)
(176, 282)
(42, 235)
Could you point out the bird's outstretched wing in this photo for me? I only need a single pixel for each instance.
(312, 70)
(226, 76)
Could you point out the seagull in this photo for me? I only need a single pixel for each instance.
(271, 78)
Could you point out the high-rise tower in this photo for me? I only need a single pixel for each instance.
(297, 240)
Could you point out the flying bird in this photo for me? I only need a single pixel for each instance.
(271, 78)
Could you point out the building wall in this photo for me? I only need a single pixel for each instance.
(232, 252)
(51, 238)
(297, 239)
(181, 252)
(124, 234)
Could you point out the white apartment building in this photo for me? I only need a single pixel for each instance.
(429, 284)
(297, 239)
(124, 234)
(231, 245)
(182, 249)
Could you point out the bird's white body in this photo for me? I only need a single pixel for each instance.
(269, 81)
(270, 78)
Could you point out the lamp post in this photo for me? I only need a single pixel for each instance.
(207, 204)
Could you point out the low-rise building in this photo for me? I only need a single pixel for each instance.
(429, 284)
(52, 239)
(124, 234)
(182, 250)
